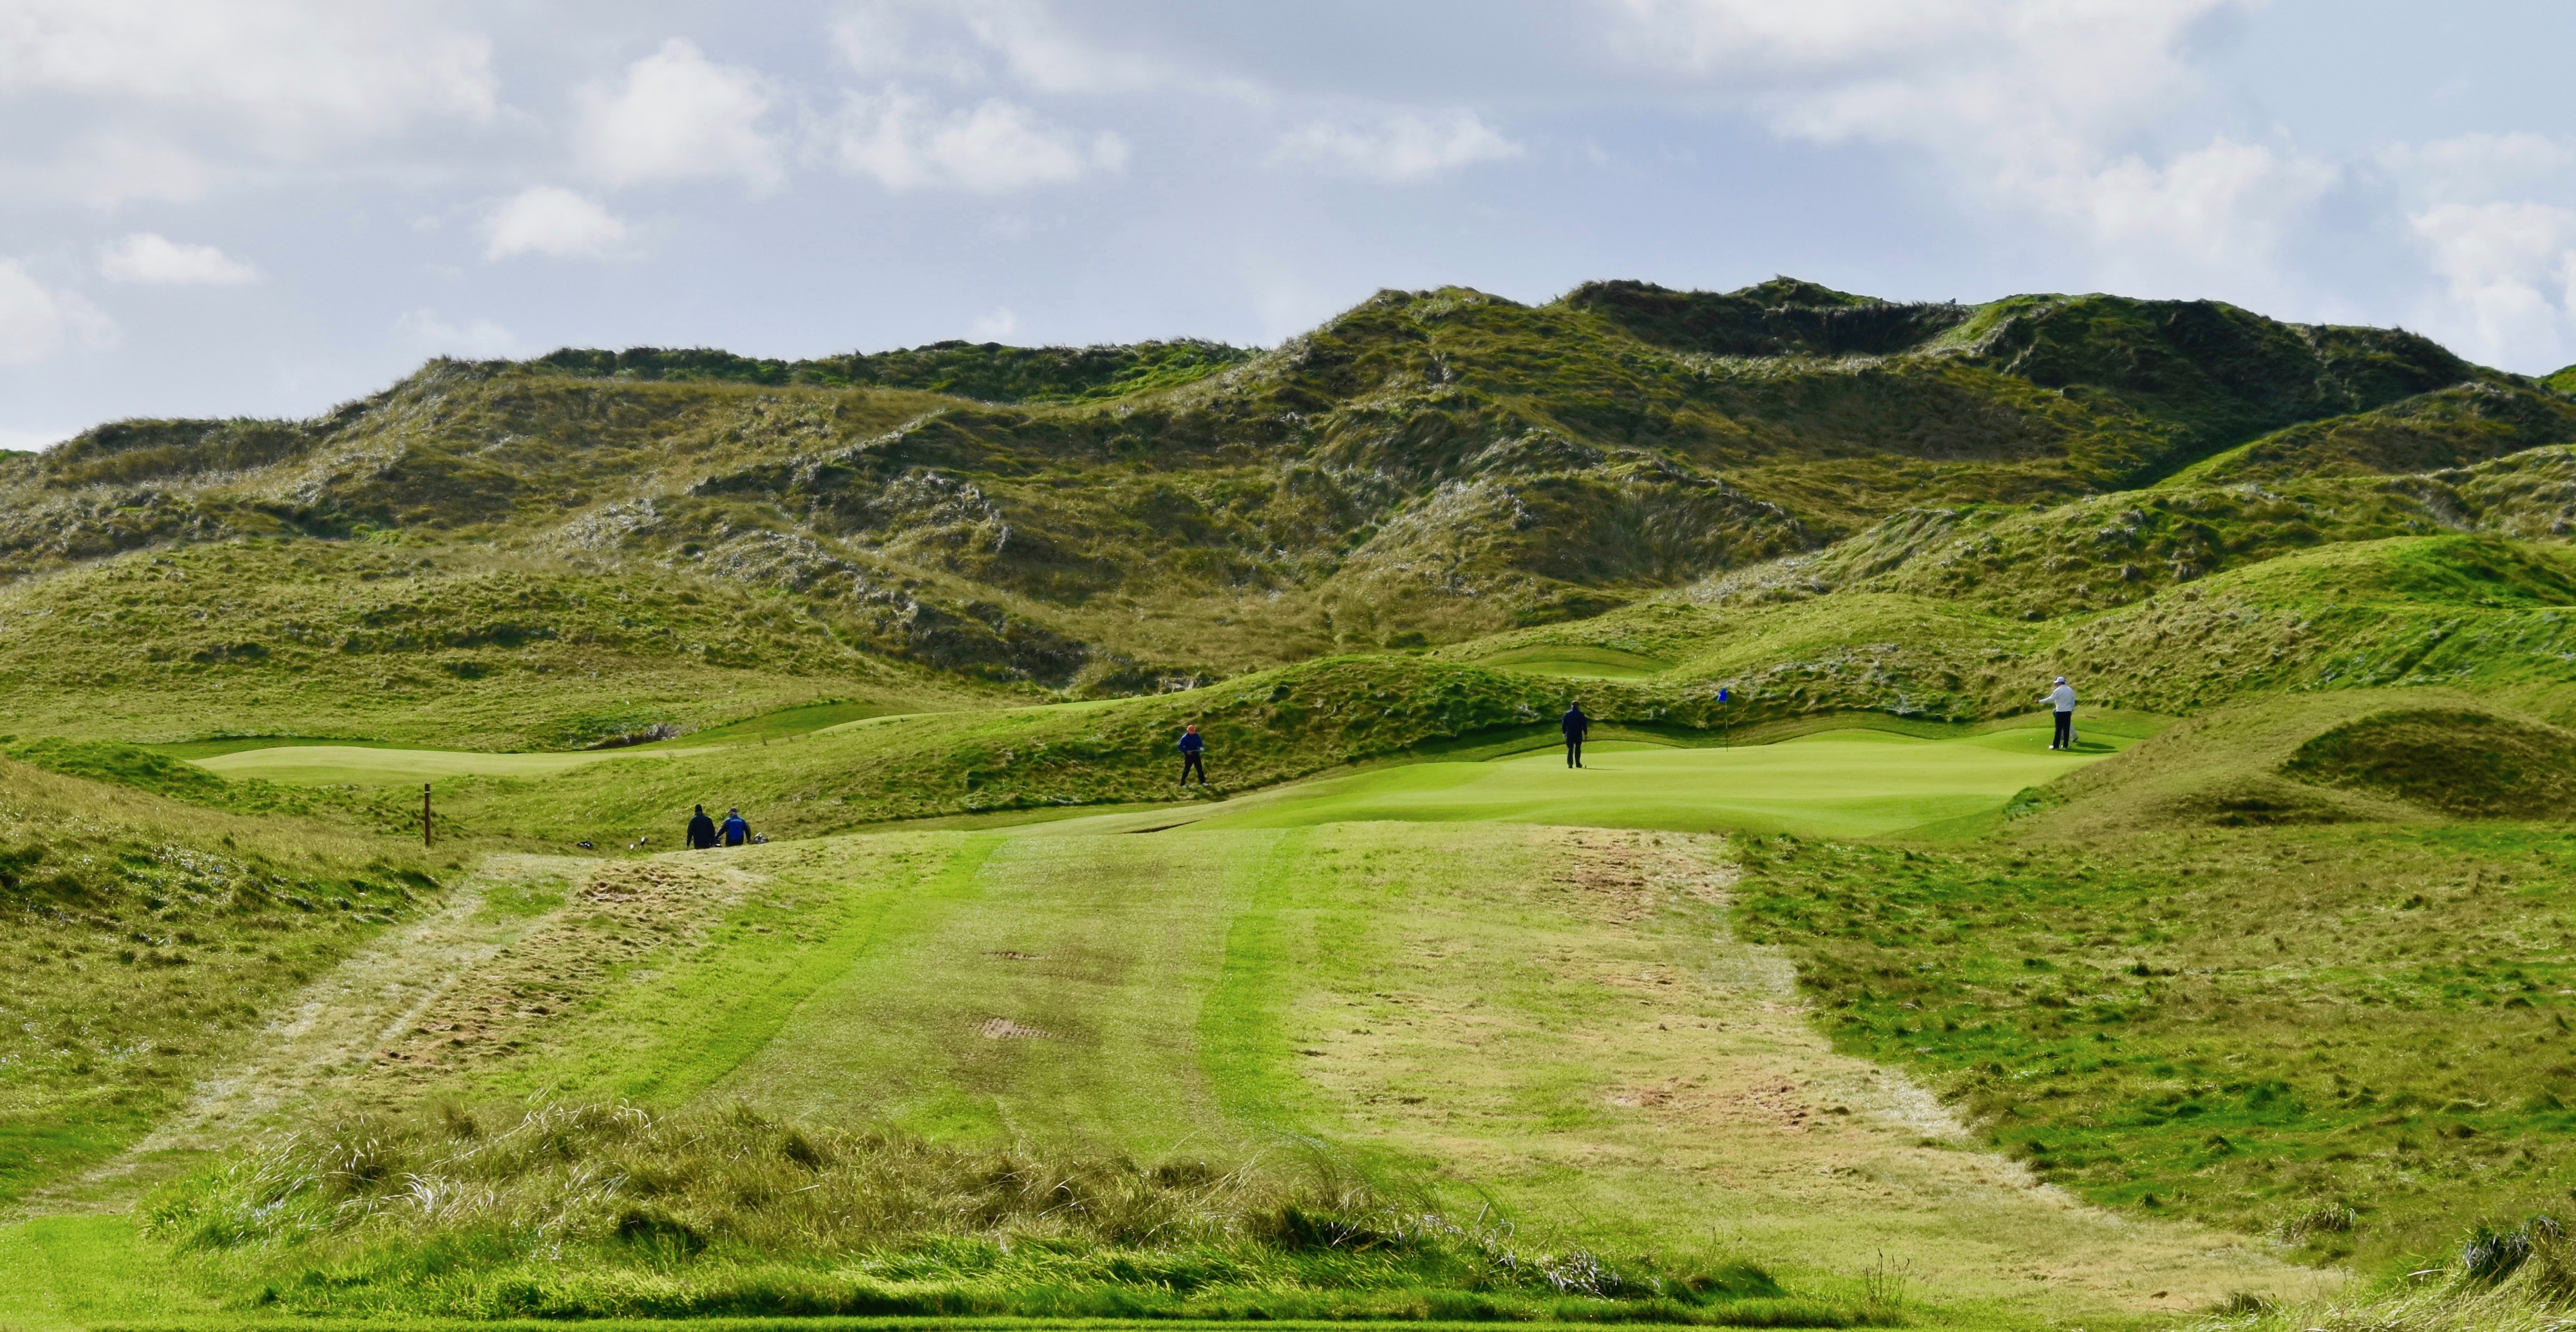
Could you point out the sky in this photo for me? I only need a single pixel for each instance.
(267, 207)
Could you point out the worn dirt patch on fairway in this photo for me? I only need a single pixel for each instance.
(1004, 1029)
(1628, 874)
(623, 911)
(1675, 1048)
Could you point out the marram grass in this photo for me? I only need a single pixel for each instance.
(598, 1211)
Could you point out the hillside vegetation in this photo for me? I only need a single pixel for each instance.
(1426, 467)
(459, 645)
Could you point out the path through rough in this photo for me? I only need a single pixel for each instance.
(457, 979)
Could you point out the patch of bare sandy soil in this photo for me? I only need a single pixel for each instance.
(1701, 1058)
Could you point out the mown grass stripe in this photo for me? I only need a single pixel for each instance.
(751, 1026)
(1241, 1035)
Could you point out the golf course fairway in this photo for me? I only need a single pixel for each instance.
(1513, 984)
(1555, 1024)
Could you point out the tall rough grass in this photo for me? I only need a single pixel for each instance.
(2519, 1280)
(610, 1210)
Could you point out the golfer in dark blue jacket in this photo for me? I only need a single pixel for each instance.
(1191, 747)
(1576, 727)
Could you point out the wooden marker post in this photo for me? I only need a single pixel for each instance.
(424, 816)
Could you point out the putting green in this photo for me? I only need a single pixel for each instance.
(1850, 783)
(351, 765)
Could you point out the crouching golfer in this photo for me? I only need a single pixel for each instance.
(2062, 698)
(1576, 724)
(1191, 747)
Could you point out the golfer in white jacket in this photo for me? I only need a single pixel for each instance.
(2062, 698)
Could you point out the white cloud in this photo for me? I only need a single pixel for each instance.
(1405, 146)
(1042, 55)
(148, 257)
(890, 40)
(909, 141)
(678, 116)
(2510, 271)
(35, 320)
(2023, 101)
(2477, 166)
(476, 339)
(905, 143)
(2215, 205)
(2496, 217)
(109, 167)
(113, 100)
(294, 71)
(552, 221)
(994, 327)
(1015, 41)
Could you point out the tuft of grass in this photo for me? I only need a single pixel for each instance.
(612, 1211)
(2519, 1278)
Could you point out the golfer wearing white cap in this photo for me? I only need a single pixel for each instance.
(2062, 698)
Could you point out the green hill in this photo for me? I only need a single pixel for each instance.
(1426, 467)
(452, 643)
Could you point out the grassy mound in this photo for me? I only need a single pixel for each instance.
(2459, 426)
(985, 372)
(449, 645)
(2221, 768)
(598, 1211)
(1576, 662)
(2460, 761)
(2476, 612)
(2362, 755)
